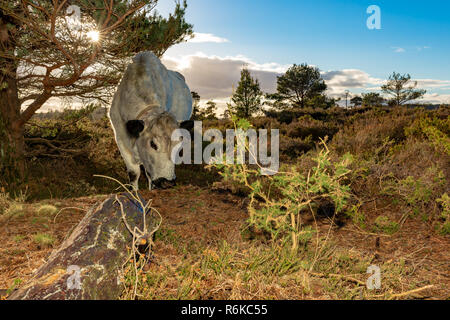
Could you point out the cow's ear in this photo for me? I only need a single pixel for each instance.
(135, 127)
(188, 124)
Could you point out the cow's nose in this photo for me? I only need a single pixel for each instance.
(163, 183)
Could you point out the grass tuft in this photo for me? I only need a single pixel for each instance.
(47, 210)
(43, 239)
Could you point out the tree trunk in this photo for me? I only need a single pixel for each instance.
(12, 162)
(89, 263)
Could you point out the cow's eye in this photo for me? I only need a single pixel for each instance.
(153, 145)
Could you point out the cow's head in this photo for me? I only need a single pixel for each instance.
(154, 145)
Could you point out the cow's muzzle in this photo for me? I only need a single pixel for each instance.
(163, 183)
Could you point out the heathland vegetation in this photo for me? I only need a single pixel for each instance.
(382, 172)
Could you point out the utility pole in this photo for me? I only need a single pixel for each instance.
(346, 98)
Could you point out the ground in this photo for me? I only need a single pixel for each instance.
(202, 252)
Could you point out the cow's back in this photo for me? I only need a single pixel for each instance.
(147, 82)
(180, 105)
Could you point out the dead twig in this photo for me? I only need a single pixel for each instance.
(341, 276)
(404, 294)
(67, 208)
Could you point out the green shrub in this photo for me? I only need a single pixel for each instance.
(445, 214)
(276, 202)
(416, 193)
(434, 130)
(383, 224)
(357, 215)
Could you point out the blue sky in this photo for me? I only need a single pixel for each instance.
(271, 35)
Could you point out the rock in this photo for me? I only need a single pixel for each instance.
(88, 264)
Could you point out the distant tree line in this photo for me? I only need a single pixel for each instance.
(399, 89)
(302, 86)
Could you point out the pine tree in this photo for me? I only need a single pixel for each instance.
(299, 84)
(246, 100)
(196, 113)
(402, 89)
(210, 111)
(356, 101)
(372, 99)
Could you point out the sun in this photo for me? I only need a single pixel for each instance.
(94, 35)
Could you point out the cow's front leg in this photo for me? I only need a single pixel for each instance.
(134, 179)
(149, 180)
(134, 172)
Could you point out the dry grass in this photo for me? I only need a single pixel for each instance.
(47, 210)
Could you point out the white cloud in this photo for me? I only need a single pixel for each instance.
(349, 78)
(398, 49)
(206, 37)
(213, 77)
(432, 83)
(435, 98)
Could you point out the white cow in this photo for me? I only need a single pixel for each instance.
(150, 102)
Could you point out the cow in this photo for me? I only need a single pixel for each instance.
(149, 104)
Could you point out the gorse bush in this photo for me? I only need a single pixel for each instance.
(277, 201)
(436, 131)
(445, 215)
